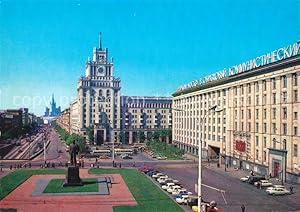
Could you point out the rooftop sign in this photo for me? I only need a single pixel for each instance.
(274, 56)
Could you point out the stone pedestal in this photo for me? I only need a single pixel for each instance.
(72, 177)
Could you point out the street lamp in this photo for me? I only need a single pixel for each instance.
(202, 120)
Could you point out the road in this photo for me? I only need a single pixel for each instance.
(237, 192)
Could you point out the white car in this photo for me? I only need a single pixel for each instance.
(162, 178)
(274, 186)
(180, 191)
(157, 175)
(244, 179)
(168, 185)
(173, 188)
(182, 200)
(278, 191)
(263, 183)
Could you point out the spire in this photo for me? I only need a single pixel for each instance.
(100, 41)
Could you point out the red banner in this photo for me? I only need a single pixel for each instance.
(240, 145)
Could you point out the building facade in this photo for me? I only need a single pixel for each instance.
(258, 128)
(64, 120)
(55, 111)
(100, 107)
(142, 116)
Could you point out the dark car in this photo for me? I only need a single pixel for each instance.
(253, 179)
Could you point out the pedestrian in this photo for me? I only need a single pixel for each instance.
(270, 175)
(291, 189)
(29, 165)
(120, 165)
(243, 208)
(10, 167)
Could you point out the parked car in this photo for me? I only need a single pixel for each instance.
(157, 175)
(253, 179)
(182, 200)
(278, 191)
(263, 183)
(162, 178)
(244, 179)
(168, 185)
(173, 188)
(126, 157)
(274, 186)
(167, 180)
(151, 172)
(181, 191)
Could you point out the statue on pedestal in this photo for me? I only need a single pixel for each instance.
(74, 149)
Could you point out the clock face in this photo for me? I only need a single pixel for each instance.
(100, 71)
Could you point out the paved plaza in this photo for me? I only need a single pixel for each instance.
(26, 197)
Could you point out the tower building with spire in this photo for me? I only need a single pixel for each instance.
(53, 111)
(99, 96)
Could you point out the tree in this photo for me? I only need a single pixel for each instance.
(121, 137)
(90, 134)
(79, 140)
(140, 136)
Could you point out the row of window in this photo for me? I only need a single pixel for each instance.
(264, 114)
(283, 83)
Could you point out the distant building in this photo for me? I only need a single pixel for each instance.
(101, 108)
(55, 111)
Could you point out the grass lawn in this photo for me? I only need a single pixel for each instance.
(148, 195)
(9, 182)
(55, 186)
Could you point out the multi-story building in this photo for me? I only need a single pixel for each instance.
(258, 128)
(64, 120)
(99, 107)
(74, 117)
(99, 97)
(11, 122)
(144, 114)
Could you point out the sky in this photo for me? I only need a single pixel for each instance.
(156, 45)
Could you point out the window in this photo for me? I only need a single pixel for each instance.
(265, 127)
(235, 90)
(264, 156)
(265, 113)
(274, 98)
(249, 126)
(256, 155)
(295, 150)
(249, 87)
(274, 128)
(242, 89)
(249, 113)
(284, 126)
(256, 86)
(295, 96)
(265, 142)
(257, 127)
(257, 141)
(242, 114)
(295, 80)
(257, 113)
(284, 112)
(284, 144)
(284, 81)
(295, 115)
(284, 97)
(242, 126)
(274, 113)
(295, 131)
(264, 85)
(273, 83)
(264, 99)
(257, 100)
(235, 125)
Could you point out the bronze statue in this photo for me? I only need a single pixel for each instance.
(74, 149)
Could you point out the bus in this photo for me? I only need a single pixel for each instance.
(100, 152)
(123, 151)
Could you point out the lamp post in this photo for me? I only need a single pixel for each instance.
(202, 120)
